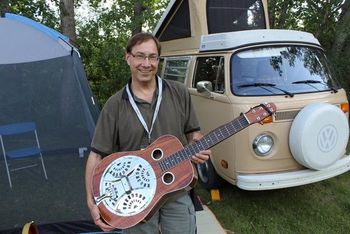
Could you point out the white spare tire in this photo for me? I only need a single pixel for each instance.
(319, 135)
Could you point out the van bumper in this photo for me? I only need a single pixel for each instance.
(267, 181)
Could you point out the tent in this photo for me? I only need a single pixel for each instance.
(42, 80)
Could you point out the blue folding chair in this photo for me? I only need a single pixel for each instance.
(14, 130)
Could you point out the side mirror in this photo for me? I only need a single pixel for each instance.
(204, 86)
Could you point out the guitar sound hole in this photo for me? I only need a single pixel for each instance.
(168, 178)
(157, 154)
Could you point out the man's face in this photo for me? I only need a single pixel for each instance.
(143, 61)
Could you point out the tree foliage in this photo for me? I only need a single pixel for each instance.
(38, 10)
(103, 33)
(328, 20)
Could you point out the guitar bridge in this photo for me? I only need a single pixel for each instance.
(126, 184)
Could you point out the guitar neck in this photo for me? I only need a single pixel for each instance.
(206, 142)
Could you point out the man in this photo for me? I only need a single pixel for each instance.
(145, 109)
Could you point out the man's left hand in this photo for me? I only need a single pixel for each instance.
(201, 157)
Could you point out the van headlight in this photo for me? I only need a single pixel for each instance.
(263, 144)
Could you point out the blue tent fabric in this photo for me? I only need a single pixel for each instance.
(49, 31)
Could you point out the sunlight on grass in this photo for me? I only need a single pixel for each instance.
(322, 207)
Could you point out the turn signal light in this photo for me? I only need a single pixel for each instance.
(224, 164)
(344, 107)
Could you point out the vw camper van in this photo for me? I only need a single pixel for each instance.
(230, 60)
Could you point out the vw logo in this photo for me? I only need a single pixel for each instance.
(327, 138)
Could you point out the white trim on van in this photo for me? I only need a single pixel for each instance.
(293, 178)
(165, 14)
(230, 40)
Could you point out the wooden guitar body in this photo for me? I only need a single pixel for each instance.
(168, 182)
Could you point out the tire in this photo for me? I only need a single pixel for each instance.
(207, 175)
(319, 135)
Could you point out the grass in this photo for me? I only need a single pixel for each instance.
(322, 207)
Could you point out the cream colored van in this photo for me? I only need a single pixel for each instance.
(242, 65)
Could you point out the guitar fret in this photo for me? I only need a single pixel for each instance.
(222, 132)
(177, 159)
(227, 131)
(208, 143)
(195, 147)
(235, 126)
(166, 164)
(215, 135)
(183, 156)
(191, 150)
(171, 161)
(161, 165)
(200, 144)
(165, 168)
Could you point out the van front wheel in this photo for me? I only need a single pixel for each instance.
(207, 175)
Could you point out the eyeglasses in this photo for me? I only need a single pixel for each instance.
(142, 57)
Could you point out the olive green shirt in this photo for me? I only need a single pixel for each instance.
(119, 129)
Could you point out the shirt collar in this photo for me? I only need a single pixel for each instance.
(125, 94)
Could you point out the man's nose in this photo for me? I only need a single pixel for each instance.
(146, 61)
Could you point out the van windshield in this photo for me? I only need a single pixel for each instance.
(280, 71)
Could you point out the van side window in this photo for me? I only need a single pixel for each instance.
(176, 69)
(210, 69)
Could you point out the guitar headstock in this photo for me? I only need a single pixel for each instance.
(260, 112)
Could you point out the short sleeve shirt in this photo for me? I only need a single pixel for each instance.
(119, 129)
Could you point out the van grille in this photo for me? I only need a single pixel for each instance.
(286, 115)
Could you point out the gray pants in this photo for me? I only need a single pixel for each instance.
(176, 216)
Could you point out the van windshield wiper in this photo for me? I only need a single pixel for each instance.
(265, 85)
(307, 82)
(314, 82)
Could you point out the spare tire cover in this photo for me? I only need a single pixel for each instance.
(319, 135)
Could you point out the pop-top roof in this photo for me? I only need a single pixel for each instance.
(185, 21)
(231, 40)
(192, 18)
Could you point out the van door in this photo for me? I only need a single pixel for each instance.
(210, 99)
(208, 92)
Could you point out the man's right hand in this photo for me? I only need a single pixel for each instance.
(91, 163)
(95, 214)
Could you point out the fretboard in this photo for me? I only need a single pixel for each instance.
(206, 142)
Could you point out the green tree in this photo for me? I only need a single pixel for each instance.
(103, 39)
(67, 19)
(340, 47)
(4, 7)
(328, 20)
(38, 10)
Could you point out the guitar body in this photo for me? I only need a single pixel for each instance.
(129, 187)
